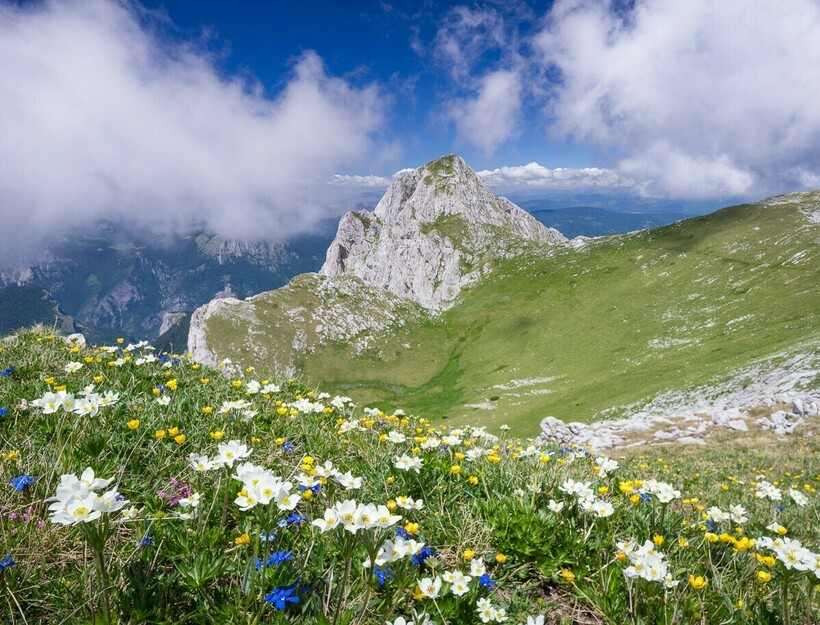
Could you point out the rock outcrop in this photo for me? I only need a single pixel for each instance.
(786, 394)
(432, 234)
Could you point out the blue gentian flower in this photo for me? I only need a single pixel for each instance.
(277, 557)
(382, 575)
(281, 596)
(423, 554)
(485, 582)
(402, 533)
(780, 508)
(3, 411)
(297, 519)
(6, 562)
(645, 496)
(22, 481)
(266, 538)
(145, 541)
(6, 372)
(287, 446)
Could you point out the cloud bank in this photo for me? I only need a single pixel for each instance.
(102, 116)
(696, 98)
(537, 176)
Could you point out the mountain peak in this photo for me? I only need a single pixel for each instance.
(433, 233)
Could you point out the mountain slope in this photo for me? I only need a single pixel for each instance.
(574, 331)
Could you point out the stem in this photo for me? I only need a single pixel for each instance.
(343, 584)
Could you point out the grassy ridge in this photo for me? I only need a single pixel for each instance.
(572, 332)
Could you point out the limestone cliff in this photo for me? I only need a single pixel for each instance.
(432, 234)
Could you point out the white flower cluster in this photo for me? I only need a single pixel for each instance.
(487, 612)
(408, 463)
(260, 487)
(89, 402)
(356, 516)
(586, 498)
(77, 501)
(661, 490)
(606, 465)
(393, 550)
(737, 514)
(227, 454)
(792, 554)
(766, 490)
(647, 563)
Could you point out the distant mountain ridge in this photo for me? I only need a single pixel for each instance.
(117, 282)
(591, 221)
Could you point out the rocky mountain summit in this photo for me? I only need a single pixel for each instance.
(432, 234)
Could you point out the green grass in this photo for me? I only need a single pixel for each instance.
(615, 322)
(159, 567)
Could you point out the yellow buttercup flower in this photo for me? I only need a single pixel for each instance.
(698, 583)
(159, 434)
(500, 558)
(207, 410)
(411, 528)
(568, 575)
(133, 424)
(243, 539)
(172, 384)
(473, 479)
(455, 469)
(217, 435)
(173, 431)
(468, 554)
(180, 438)
(764, 577)
(658, 540)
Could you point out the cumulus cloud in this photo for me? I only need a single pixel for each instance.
(466, 36)
(479, 49)
(537, 176)
(698, 98)
(489, 118)
(102, 116)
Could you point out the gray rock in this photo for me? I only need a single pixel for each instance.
(431, 234)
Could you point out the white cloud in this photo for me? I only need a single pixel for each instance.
(465, 35)
(360, 181)
(698, 98)
(102, 117)
(491, 117)
(537, 176)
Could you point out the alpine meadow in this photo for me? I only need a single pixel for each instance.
(410, 313)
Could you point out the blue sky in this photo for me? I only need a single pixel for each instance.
(395, 44)
(263, 118)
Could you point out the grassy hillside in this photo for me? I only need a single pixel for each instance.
(141, 488)
(572, 332)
